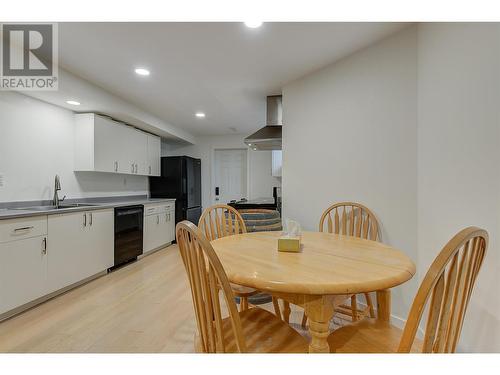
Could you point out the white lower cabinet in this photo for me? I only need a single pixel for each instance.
(43, 254)
(23, 271)
(80, 245)
(159, 226)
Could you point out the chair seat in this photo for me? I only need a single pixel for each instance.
(243, 291)
(368, 336)
(264, 333)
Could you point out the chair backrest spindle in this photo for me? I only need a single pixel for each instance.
(448, 284)
(221, 220)
(351, 219)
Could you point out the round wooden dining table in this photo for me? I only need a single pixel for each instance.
(329, 269)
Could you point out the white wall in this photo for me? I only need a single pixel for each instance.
(410, 127)
(36, 143)
(260, 179)
(459, 155)
(98, 100)
(350, 133)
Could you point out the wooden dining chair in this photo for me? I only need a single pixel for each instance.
(252, 330)
(445, 291)
(355, 220)
(220, 221)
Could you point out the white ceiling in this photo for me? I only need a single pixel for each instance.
(223, 69)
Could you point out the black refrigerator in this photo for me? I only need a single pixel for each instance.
(180, 179)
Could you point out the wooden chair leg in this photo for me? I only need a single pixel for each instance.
(243, 303)
(354, 308)
(198, 346)
(369, 303)
(304, 320)
(277, 310)
(286, 311)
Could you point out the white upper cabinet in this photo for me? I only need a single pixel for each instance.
(104, 145)
(154, 155)
(277, 163)
(108, 156)
(136, 150)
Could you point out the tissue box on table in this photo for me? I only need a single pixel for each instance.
(290, 239)
(289, 244)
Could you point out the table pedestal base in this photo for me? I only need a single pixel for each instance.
(319, 310)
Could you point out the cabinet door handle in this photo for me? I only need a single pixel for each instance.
(132, 166)
(157, 219)
(90, 219)
(136, 168)
(85, 220)
(116, 166)
(44, 246)
(149, 169)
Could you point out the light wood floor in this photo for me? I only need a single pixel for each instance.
(143, 307)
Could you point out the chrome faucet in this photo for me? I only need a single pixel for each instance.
(57, 187)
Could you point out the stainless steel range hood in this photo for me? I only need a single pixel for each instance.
(269, 137)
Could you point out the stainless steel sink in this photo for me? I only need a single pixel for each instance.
(74, 205)
(36, 208)
(50, 208)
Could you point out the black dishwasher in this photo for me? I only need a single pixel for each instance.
(128, 233)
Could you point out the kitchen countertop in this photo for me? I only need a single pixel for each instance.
(15, 210)
(257, 201)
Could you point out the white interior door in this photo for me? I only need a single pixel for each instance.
(230, 175)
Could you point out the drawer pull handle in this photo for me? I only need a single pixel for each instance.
(23, 229)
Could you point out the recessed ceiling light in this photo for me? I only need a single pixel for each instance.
(142, 71)
(253, 24)
(200, 114)
(72, 102)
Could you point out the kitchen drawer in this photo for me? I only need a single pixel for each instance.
(19, 229)
(150, 210)
(167, 207)
(158, 208)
